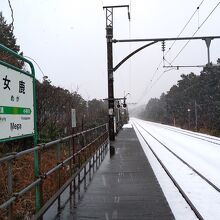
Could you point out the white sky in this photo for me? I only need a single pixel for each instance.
(67, 39)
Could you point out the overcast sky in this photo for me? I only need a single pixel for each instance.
(67, 39)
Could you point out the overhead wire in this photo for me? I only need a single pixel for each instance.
(195, 32)
(130, 49)
(159, 77)
(37, 65)
(157, 69)
(12, 26)
(187, 42)
(199, 26)
(182, 30)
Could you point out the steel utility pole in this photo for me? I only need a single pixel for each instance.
(188, 110)
(196, 117)
(109, 36)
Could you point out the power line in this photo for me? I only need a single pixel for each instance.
(36, 64)
(188, 42)
(187, 23)
(12, 27)
(185, 44)
(197, 9)
(154, 74)
(130, 51)
(149, 87)
(155, 82)
(195, 32)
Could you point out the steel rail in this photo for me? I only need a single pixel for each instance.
(197, 136)
(183, 161)
(172, 178)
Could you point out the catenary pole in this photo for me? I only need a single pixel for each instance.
(109, 37)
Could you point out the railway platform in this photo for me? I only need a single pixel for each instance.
(124, 187)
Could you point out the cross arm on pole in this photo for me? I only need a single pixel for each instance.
(109, 13)
(207, 40)
(165, 39)
(116, 6)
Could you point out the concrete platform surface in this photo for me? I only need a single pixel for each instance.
(124, 187)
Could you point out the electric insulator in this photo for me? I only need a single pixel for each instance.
(124, 105)
(163, 46)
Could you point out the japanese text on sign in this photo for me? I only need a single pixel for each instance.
(16, 103)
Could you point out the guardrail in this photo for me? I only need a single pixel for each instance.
(60, 163)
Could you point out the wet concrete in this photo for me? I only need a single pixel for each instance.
(124, 187)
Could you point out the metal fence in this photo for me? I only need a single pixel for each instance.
(23, 194)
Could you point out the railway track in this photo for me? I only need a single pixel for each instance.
(185, 195)
(213, 140)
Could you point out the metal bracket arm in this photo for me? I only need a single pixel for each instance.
(131, 54)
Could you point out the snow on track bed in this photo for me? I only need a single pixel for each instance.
(205, 137)
(202, 156)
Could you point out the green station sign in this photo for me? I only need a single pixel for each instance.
(7, 110)
(17, 103)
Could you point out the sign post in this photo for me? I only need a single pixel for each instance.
(18, 118)
(73, 117)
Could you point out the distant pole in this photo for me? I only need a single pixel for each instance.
(119, 118)
(196, 117)
(188, 117)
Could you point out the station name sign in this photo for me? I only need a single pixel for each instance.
(16, 103)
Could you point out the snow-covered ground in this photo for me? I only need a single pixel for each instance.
(201, 152)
